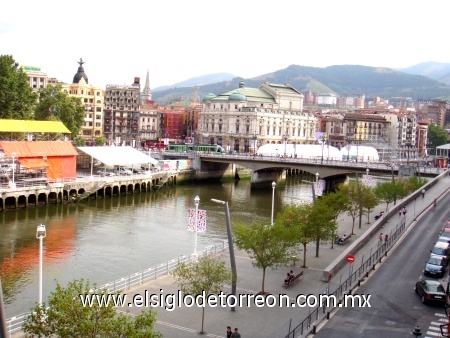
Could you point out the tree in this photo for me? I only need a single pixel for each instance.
(437, 136)
(368, 200)
(353, 206)
(66, 316)
(322, 222)
(267, 246)
(338, 203)
(100, 141)
(17, 99)
(79, 141)
(386, 192)
(56, 105)
(207, 276)
(299, 230)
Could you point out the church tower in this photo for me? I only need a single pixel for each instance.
(147, 93)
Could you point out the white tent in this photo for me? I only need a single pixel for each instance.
(119, 156)
(363, 153)
(301, 151)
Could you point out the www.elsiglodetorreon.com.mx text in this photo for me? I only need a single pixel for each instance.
(171, 301)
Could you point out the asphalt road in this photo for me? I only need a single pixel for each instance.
(395, 308)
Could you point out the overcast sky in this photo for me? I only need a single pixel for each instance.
(178, 39)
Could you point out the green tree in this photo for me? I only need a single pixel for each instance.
(353, 206)
(437, 136)
(79, 141)
(207, 276)
(56, 105)
(414, 183)
(322, 220)
(17, 99)
(66, 316)
(267, 246)
(388, 192)
(295, 219)
(338, 203)
(100, 141)
(368, 200)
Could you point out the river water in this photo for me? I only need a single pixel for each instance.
(110, 238)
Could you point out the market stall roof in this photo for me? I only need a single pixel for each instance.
(37, 148)
(120, 156)
(33, 163)
(28, 126)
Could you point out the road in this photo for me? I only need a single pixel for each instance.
(395, 309)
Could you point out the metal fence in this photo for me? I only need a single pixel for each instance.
(309, 324)
(14, 324)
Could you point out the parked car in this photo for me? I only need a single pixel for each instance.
(445, 239)
(446, 226)
(103, 173)
(445, 233)
(431, 291)
(123, 171)
(441, 249)
(435, 267)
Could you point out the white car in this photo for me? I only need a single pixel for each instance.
(123, 171)
(103, 173)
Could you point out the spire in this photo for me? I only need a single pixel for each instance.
(147, 93)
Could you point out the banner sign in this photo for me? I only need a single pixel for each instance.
(201, 220)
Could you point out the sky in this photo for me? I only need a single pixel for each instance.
(177, 39)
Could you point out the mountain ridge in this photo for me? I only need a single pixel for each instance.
(340, 79)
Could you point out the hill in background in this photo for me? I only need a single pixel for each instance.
(434, 70)
(198, 81)
(344, 79)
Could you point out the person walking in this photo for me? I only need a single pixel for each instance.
(404, 211)
(380, 238)
(229, 332)
(399, 212)
(386, 237)
(236, 333)
(423, 193)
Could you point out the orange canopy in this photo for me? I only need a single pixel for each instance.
(33, 163)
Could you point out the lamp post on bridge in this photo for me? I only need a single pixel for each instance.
(323, 139)
(285, 137)
(254, 143)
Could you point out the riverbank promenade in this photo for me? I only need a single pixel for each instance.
(276, 321)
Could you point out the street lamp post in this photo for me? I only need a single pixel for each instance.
(323, 140)
(286, 136)
(273, 200)
(254, 143)
(232, 143)
(408, 147)
(230, 247)
(197, 201)
(40, 234)
(393, 183)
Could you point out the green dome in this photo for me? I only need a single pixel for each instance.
(237, 96)
(208, 96)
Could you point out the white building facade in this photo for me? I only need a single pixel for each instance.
(241, 120)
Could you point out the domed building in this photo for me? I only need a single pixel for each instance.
(246, 118)
(93, 99)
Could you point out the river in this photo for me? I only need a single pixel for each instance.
(110, 238)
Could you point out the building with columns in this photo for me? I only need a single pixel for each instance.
(245, 118)
(93, 101)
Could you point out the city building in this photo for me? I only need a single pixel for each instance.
(36, 78)
(146, 92)
(148, 124)
(327, 99)
(93, 101)
(245, 118)
(351, 101)
(121, 117)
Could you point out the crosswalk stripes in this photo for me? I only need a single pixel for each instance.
(434, 330)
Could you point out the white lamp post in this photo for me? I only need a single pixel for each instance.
(13, 155)
(40, 234)
(273, 200)
(197, 201)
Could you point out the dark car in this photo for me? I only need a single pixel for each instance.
(435, 267)
(431, 291)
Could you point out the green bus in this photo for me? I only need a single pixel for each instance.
(184, 148)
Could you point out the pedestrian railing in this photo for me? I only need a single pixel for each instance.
(322, 312)
(14, 324)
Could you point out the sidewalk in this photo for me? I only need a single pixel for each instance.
(274, 322)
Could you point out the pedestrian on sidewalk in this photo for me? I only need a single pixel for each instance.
(404, 211)
(399, 212)
(386, 239)
(229, 332)
(236, 333)
(380, 238)
(423, 193)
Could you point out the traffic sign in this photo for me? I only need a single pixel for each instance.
(350, 259)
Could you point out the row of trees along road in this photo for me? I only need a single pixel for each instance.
(298, 225)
